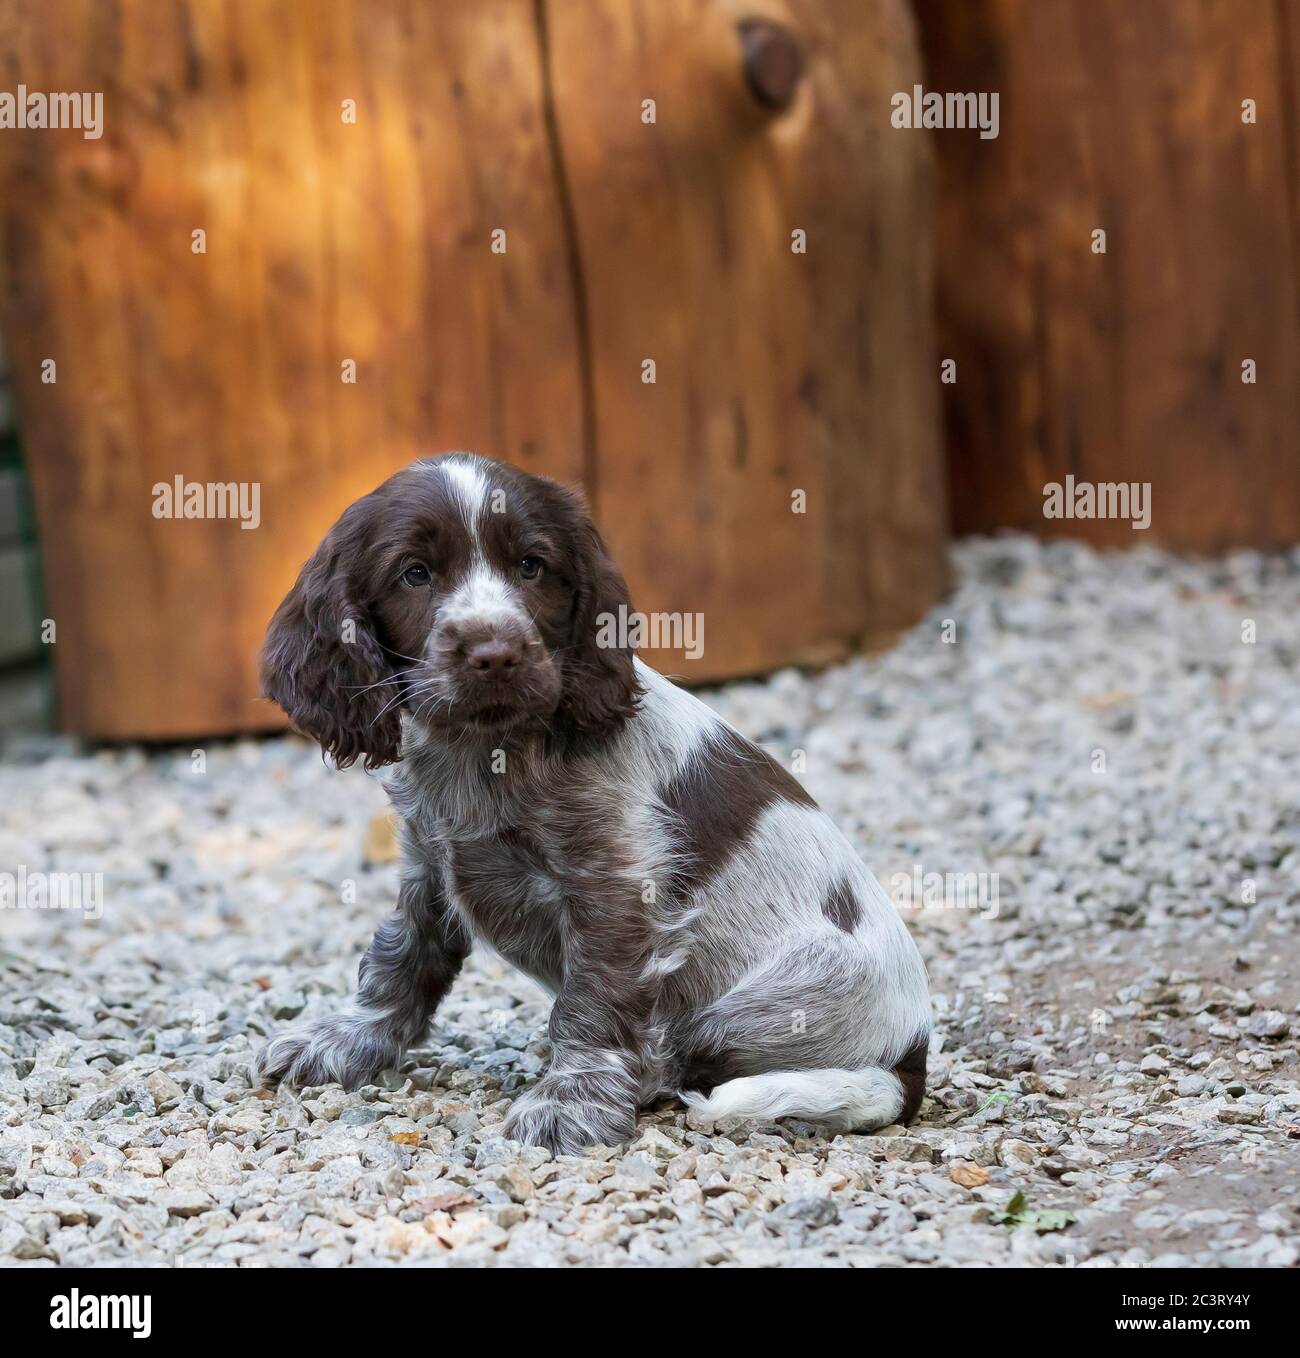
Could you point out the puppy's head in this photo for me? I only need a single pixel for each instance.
(464, 592)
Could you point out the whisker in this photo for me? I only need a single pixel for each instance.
(432, 703)
(400, 696)
(396, 674)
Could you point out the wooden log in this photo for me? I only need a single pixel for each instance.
(1123, 366)
(776, 372)
(325, 241)
(328, 240)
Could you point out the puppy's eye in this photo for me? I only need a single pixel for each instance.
(531, 567)
(417, 573)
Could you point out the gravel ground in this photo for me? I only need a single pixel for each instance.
(1115, 1079)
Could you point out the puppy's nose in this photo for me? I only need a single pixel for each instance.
(494, 658)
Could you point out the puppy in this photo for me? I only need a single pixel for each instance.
(704, 928)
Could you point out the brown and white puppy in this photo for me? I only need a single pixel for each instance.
(701, 924)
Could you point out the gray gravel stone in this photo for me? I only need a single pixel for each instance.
(1268, 1023)
(47, 1088)
(1115, 1043)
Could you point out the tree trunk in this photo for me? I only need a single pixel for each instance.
(1125, 366)
(327, 240)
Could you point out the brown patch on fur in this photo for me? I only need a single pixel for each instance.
(841, 906)
(719, 799)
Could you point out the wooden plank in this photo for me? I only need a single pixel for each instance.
(776, 372)
(325, 241)
(1124, 366)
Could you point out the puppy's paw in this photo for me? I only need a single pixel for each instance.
(348, 1049)
(566, 1122)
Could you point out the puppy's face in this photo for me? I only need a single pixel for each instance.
(473, 583)
(462, 591)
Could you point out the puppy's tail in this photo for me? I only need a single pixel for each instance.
(845, 1100)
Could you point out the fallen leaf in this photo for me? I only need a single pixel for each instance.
(1048, 1219)
(1040, 1219)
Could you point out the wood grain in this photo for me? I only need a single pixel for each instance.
(371, 242)
(325, 241)
(1124, 366)
(776, 372)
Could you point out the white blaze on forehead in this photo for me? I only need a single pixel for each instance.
(484, 596)
(469, 488)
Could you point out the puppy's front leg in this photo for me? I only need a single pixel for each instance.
(588, 1096)
(590, 1092)
(409, 966)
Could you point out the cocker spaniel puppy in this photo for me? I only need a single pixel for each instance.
(704, 928)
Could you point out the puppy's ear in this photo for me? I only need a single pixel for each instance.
(321, 660)
(600, 685)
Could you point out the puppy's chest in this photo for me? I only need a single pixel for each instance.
(507, 887)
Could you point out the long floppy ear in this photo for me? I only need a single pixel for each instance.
(600, 685)
(321, 661)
